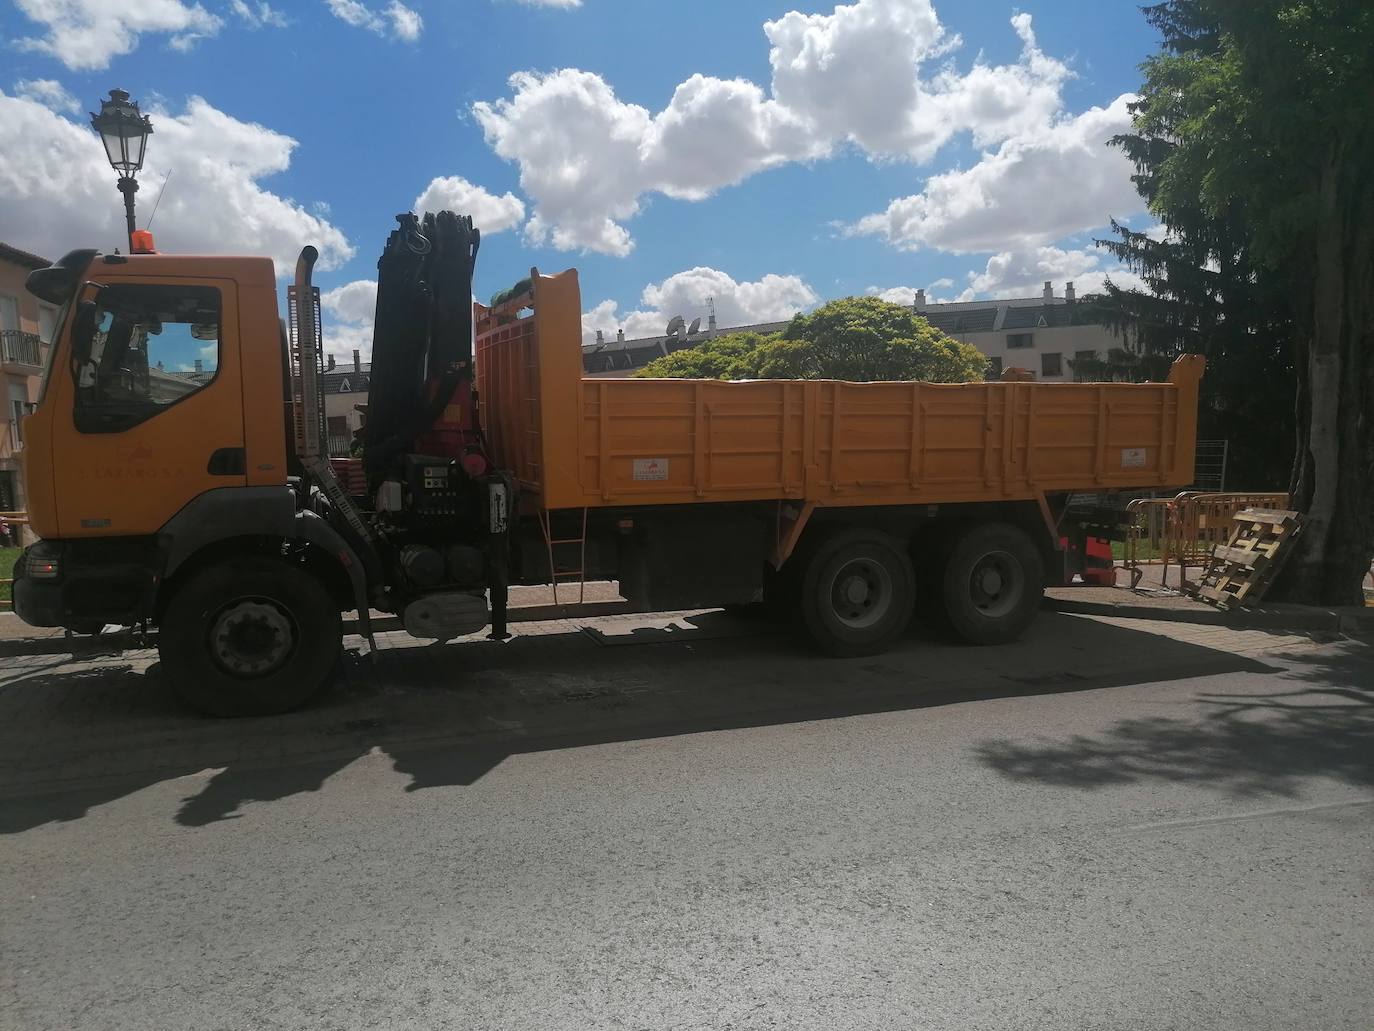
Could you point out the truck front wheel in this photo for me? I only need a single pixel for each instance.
(857, 592)
(992, 584)
(249, 638)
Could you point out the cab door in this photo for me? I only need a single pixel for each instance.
(151, 416)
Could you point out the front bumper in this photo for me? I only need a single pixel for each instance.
(36, 602)
(98, 583)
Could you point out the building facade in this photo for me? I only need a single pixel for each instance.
(26, 330)
(345, 390)
(1043, 335)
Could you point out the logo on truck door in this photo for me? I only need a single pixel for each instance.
(651, 469)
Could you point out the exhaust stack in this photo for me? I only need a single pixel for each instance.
(303, 300)
(307, 369)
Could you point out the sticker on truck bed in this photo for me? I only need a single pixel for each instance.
(651, 469)
(1132, 457)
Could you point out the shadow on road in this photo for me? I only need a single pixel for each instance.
(445, 715)
(1249, 744)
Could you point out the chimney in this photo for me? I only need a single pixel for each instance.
(1049, 292)
(620, 335)
(1068, 293)
(600, 337)
(711, 325)
(918, 303)
(357, 362)
(329, 364)
(200, 366)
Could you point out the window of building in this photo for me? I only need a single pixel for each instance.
(9, 314)
(154, 346)
(1051, 365)
(9, 493)
(1020, 340)
(995, 367)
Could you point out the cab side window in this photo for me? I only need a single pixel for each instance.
(153, 347)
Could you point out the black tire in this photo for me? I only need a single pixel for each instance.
(252, 637)
(857, 590)
(993, 582)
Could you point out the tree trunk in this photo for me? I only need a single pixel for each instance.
(1333, 481)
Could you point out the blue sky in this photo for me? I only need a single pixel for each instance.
(780, 184)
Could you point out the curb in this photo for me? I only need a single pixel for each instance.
(1269, 617)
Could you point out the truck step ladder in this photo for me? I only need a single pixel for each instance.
(580, 542)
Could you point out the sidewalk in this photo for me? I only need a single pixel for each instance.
(1157, 597)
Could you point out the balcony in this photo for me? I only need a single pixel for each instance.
(21, 352)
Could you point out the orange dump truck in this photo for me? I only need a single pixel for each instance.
(168, 495)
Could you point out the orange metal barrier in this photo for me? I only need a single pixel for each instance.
(1183, 530)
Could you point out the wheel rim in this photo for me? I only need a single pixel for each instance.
(996, 584)
(860, 593)
(252, 637)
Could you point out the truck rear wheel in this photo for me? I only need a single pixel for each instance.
(857, 592)
(992, 585)
(249, 638)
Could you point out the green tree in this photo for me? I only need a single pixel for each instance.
(1254, 145)
(732, 356)
(866, 338)
(856, 338)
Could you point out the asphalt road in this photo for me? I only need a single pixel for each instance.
(1111, 825)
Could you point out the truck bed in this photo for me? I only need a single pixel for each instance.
(574, 442)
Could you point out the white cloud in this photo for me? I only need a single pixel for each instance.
(1022, 273)
(587, 158)
(490, 213)
(578, 150)
(1038, 186)
(86, 35)
(770, 298)
(396, 19)
(907, 294)
(349, 311)
(566, 4)
(57, 191)
(48, 92)
(855, 75)
(406, 23)
(259, 15)
(352, 302)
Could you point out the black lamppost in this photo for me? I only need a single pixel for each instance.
(124, 130)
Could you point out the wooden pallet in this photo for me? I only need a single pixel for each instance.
(1241, 570)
